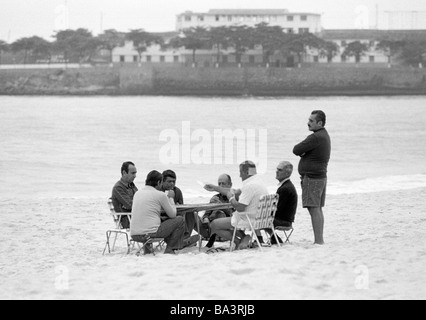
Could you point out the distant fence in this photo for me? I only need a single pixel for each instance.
(44, 66)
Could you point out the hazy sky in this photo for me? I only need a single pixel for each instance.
(23, 18)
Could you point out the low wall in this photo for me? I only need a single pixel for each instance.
(175, 79)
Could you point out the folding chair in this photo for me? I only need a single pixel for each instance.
(148, 240)
(117, 230)
(285, 230)
(264, 218)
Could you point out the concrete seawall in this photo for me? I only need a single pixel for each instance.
(179, 80)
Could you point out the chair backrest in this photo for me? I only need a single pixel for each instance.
(266, 212)
(114, 214)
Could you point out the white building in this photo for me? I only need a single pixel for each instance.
(290, 22)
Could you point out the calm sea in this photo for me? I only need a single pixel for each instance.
(54, 147)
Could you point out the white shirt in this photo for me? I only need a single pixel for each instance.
(251, 192)
(146, 210)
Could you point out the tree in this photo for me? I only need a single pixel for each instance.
(269, 38)
(33, 46)
(111, 39)
(329, 49)
(299, 43)
(142, 40)
(192, 39)
(218, 39)
(390, 48)
(4, 47)
(356, 49)
(76, 45)
(414, 52)
(240, 39)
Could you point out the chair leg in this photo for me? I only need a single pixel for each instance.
(108, 235)
(233, 239)
(115, 240)
(276, 237)
(255, 235)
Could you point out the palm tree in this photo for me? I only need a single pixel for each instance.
(329, 50)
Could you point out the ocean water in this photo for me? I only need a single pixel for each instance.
(73, 147)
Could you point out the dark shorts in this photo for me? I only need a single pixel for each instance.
(313, 192)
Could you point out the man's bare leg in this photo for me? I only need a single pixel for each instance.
(317, 218)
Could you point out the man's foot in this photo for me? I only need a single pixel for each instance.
(244, 244)
(191, 241)
(274, 241)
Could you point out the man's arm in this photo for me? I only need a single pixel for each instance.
(223, 191)
(310, 143)
(167, 203)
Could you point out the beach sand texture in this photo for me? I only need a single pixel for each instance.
(375, 249)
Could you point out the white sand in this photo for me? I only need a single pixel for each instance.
(376, 249)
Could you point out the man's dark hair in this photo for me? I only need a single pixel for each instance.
(125, 166)
(320, 116)
(153, 178)
(169, 174)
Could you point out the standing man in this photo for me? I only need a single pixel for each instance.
(315, 154)
(124, 191)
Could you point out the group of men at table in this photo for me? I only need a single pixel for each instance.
(153, 208)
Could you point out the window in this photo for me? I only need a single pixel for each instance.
(217, 18)
(290, 30)
(188, 18)
(303, 18)
(303, 30)
(372, 59)
(135, 58)
(251, 59)
(230, 18)
(290, 18)
(200, 18)
(122, 59)
(316, 59)
(343, 57)
(343, 43)
(175, 59)
(162, 58)
(148, 58)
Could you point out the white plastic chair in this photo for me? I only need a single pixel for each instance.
(264, 218)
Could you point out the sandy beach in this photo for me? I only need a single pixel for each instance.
(376, 249)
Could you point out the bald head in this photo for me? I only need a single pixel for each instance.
(284, 170)
(225, 181)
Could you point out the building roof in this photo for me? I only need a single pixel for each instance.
(370, 34)
(248, 11)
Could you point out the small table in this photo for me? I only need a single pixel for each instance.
(195, 208)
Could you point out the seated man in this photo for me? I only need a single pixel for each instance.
(246, 205)
(224, 181)
(147, 206)
(287, 203)
(169, 184)
(124, 191)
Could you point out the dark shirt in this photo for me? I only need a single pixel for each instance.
(287, 203)
(178, 195)
(122, 196)
(219, 198)
(315, 154)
